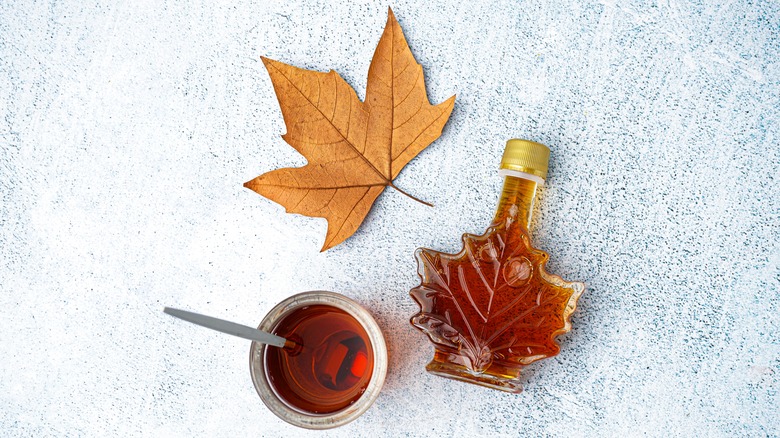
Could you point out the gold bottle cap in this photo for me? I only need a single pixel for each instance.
(526, 156)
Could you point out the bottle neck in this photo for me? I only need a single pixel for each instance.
(517, 199)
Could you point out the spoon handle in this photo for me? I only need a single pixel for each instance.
(228, 327)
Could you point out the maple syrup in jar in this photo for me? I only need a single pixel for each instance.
(330, 370)
(492, 308)
(336, 369)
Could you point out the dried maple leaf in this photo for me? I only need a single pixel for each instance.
(354, 149)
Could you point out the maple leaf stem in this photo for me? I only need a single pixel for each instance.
(403, 192)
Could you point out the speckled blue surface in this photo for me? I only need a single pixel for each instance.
(128, 128)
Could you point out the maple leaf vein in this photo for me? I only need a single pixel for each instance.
(351, 211)
(418, 135)
(331, 123)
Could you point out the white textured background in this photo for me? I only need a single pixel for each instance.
(128, 128)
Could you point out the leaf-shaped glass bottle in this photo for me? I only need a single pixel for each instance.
(492, 308)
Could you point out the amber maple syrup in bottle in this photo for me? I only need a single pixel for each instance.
(492, 308)
(331, 366)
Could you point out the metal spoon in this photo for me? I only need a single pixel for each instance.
(234, 329)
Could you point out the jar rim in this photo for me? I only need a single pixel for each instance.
(349, 413)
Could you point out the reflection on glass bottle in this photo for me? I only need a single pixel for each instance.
(492, 308)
